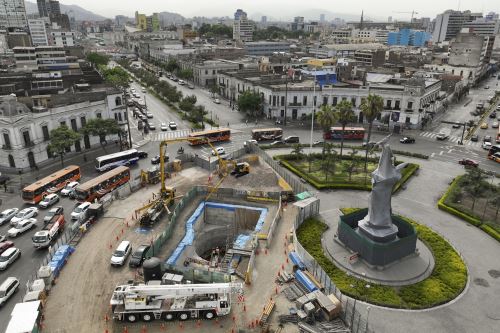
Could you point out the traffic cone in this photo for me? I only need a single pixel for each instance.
(143, 329)
(244, 308)
(110, 246)
(106, 318)
(122, 231)
(125, 329)
(266, 252)
(117, 238)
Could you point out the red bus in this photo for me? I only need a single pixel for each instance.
(103, 184)
(199, 138)
(35, 192)
(350, 133)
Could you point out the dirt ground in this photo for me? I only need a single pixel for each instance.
(80, 300)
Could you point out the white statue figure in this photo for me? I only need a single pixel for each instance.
(378, 222)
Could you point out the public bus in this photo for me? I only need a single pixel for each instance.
(98, 187)
(215, 135)
(267, 134)
(35, 192)
(498, 136)
(107, 162)
(350, 133)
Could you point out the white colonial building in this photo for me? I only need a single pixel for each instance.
(26, 122)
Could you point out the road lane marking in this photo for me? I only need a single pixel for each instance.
(441, 152)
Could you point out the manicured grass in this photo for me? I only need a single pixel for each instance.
(446, 282)
(340, 178)
(446, 204)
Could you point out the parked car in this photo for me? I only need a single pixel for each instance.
(5, 245)
(190, 86)
(142, 154)
(172, 125)
(474, 138)
(143, 89)
(139, 256)
(486, 87)
(151, 126)
(21, 227)
(156, 159)
(277, 143)
(216, 101)
(468, 162)
(370, 144)
(52, 212)
(219, 150)
(121, 253)
(484, 125)
(8, 288)
(181, 82)
(494, 124)
(163, 127)
(8, 257)
(407, 139)
(49, 200)
(486, 145)
(26, 213)
(493, 115)
(255, 142)
(2, 237)
(79, 211)
(70, 187)
(7, 215)
(149, 115)
(292, 139)
(456, 125)
(487, 138)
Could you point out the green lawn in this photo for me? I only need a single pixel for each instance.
(446, 282)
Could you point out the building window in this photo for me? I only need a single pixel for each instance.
(410, 105)
(282, 100)
(6, 140)
(353, 101)
(274, 100)
(295, 100)
(118, 101)
(304, 100)
(315, 100)
(388, 103)
(83, 121)
(334, 101)
(27, 139)
(396, 105)
(119, 116)
(206, 72)
(62, 123)
(98, 115)
(73, 125)
(45, 132)
(325, 100)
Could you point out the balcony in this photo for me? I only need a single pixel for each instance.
(29, 144)
(6, 147)
(397, 108)
(294, 104)
(409, 110)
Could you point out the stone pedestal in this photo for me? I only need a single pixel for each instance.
(377, 233)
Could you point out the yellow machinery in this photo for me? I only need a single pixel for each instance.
(241, 169)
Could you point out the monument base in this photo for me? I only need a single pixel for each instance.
(376, 233)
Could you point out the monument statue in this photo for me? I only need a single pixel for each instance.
(377, 224)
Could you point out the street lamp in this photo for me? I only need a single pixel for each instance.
(128, 119)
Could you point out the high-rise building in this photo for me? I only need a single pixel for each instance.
(448, 24)
(242, 28)
(408, 37)
(47, 7)
(263, 19)
(147, 23)
(322, 18)
(484, 27)
(38, 32)
(13, 14)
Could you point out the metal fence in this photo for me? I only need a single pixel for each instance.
(290, 178)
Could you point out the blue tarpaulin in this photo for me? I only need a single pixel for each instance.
(294, 257)
(305, 281)
(59, 258)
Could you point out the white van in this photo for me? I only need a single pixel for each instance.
(8, 288)
(121, 253)
(78, 213)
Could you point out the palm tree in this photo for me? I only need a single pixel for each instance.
(326, 117)
(344, 115)
(372, 106)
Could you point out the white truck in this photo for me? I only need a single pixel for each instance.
(444, 133)
(169, 302)
(43, 238)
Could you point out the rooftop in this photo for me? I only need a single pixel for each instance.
(355, 47)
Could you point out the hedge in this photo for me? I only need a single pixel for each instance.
(447, 280)
(407, 172)
(474, 220)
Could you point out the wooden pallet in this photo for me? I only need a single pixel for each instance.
(268, 309)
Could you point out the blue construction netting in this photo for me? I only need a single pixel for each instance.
(305, 281)
(59, 258)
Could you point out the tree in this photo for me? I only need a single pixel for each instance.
(351, 166)
(326, 117)
(214, 90)
(475, 191)
(372, 106)
(186, 74)
(102, 128)
(297, 150)
(250, 103)
(495, 200)
(172, 66)
(97, 59)
(328, 164)
(345, 115)
(116, 76)
(61, 139)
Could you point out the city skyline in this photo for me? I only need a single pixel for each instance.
(284, 10)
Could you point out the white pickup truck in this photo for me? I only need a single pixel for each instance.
(444, 133)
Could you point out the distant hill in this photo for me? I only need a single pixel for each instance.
(169, 18)
(78, 12)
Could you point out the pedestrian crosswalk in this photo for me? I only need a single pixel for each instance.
(160, 136)
(451, 138)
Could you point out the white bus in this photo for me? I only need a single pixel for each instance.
(107, 162)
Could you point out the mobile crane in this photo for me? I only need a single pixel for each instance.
(168, 302)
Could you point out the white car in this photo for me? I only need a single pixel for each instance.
(246, 143)
(163, 127)
(79, 211)
(21, 227)
(220, 151)
(7, 214)
(217, 101)
(8, 257)
(24, 214)
(69, 188)
(49, 200)
(172, 125)
(181, 82)
(8, 288)
(487, 145)
(143, 89)
(2, 238)
(149, 115)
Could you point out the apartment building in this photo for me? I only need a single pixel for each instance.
(43, 58)
(38, 32)
(13, 14)
(242, 28)
(205, 74)
(261, 48)
(449, 24)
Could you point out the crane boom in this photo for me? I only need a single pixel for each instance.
(179, 290)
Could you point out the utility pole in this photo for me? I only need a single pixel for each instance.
(128, 119)
(312, 115)
(286, 98)
(461, 142)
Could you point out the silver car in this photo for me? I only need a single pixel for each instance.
(7, 215)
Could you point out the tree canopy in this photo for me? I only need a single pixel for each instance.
(250, 102)
(102, 128)
(116, 76)
(215, 30)
(97, 59)
(61, 139)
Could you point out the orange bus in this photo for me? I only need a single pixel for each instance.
(105, 183)
(35, 192)
(199, 138)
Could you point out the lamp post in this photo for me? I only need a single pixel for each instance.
(312, 116)
(128, 119)
(286, 98)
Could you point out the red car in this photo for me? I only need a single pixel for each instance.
(5, 245)
(468, 162)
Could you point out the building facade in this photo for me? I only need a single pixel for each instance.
(62, 38)
(484, 27)
(408, 37)
(242, 28)
(38, 32)
(13, 14)
(205, 74)
(261, 48)
(449, 24)
(25, 123)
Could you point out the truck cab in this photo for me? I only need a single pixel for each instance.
(46, 236)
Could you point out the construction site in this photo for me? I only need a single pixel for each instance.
(221, 257)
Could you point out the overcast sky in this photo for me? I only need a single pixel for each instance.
(284, 8)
